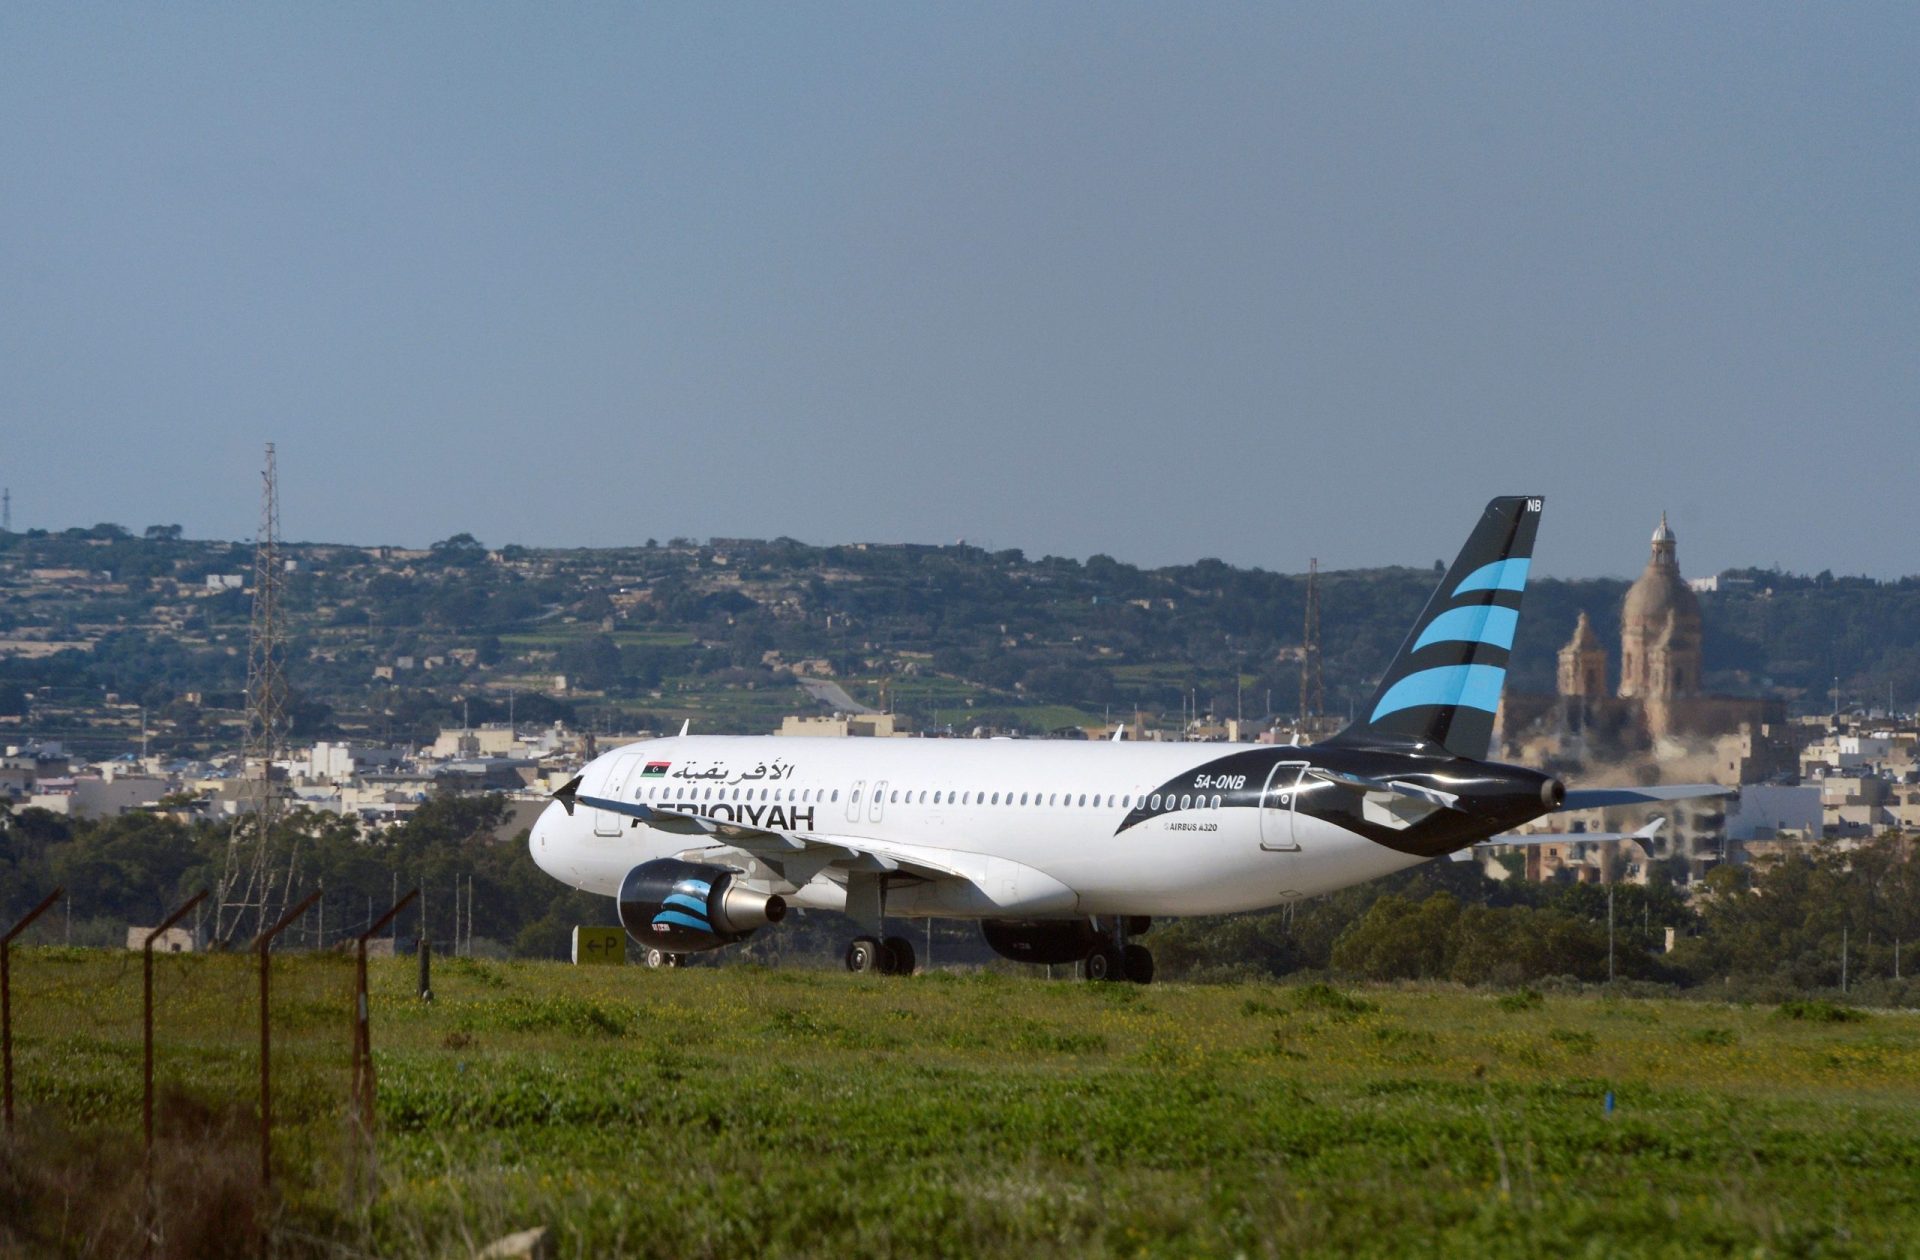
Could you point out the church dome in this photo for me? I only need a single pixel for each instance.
(1660, 627)
(1661, 590)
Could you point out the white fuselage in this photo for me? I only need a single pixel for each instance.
(1031, 829)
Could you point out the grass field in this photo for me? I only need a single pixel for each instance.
(735, 1111)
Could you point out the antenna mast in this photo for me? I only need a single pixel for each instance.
(1313, 688)
(259, 879)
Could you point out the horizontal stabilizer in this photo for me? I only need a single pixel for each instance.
(1645, 837)
(1645, 833)
(1600, 798)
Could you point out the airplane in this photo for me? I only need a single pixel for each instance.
(1065, 851)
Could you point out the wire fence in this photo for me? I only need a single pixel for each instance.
(239, 1143)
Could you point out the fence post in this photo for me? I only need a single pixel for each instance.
(363, 1087)
(265, 945)
(6, 996)
(146, 1043)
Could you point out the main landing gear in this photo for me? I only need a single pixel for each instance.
(891, 957)
(658, 958)
(1114, 957)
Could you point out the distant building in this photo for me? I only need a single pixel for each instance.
(175, 940)
(841, 725)
(1583, 663)
(1660, 633)
(495, 739)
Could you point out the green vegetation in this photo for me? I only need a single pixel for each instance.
(725, 1112)
(1786, 929)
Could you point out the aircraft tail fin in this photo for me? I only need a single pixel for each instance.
(1444, 684)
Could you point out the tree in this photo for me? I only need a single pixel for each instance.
(460, 551)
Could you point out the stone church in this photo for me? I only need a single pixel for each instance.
(1659, 642)
(1654, 722)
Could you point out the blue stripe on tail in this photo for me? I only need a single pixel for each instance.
(1481, 623)
(1457, 686)
(1502, 575)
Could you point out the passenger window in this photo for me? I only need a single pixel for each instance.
(1216, 802)
(1184, 801)
(1156, 800)
(995, 800)
(1052, 799)
(856, 796)
(923, 798)
(836, 794)
(1083, 800)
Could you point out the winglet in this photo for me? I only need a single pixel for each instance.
(686, 724)
(1118, 731)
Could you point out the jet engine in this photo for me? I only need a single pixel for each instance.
(1050, 940)
(681, 907)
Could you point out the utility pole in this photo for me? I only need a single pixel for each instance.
(6, 510)
(1609, 931)
(1313, 688)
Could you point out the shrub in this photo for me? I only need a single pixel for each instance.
(1819, 1011)
(1324, 997)
(1521, 1000)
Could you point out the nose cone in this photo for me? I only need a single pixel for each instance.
(543, 839)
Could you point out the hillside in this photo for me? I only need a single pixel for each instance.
(389, 643)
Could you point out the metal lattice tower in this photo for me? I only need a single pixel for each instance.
(260, 863)
(1313, 687)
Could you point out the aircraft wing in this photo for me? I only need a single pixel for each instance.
(848, 853)
(1598, 798)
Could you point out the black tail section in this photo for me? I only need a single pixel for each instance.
(1443, 687)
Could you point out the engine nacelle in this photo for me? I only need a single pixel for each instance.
(683, 906)
(1041, 940)
(1051, 940)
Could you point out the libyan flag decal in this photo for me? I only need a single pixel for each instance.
(655, 770)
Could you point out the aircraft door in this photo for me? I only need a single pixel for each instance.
(853, 800)
(879, 801)
(605, 821)
(1278, 803)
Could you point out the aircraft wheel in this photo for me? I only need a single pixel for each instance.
(899, 955)
(1103, 963)
(656, 959)
(674, 960)
(1139, 964)
(865, 955)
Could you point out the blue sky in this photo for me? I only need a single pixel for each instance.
(1159, 281)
